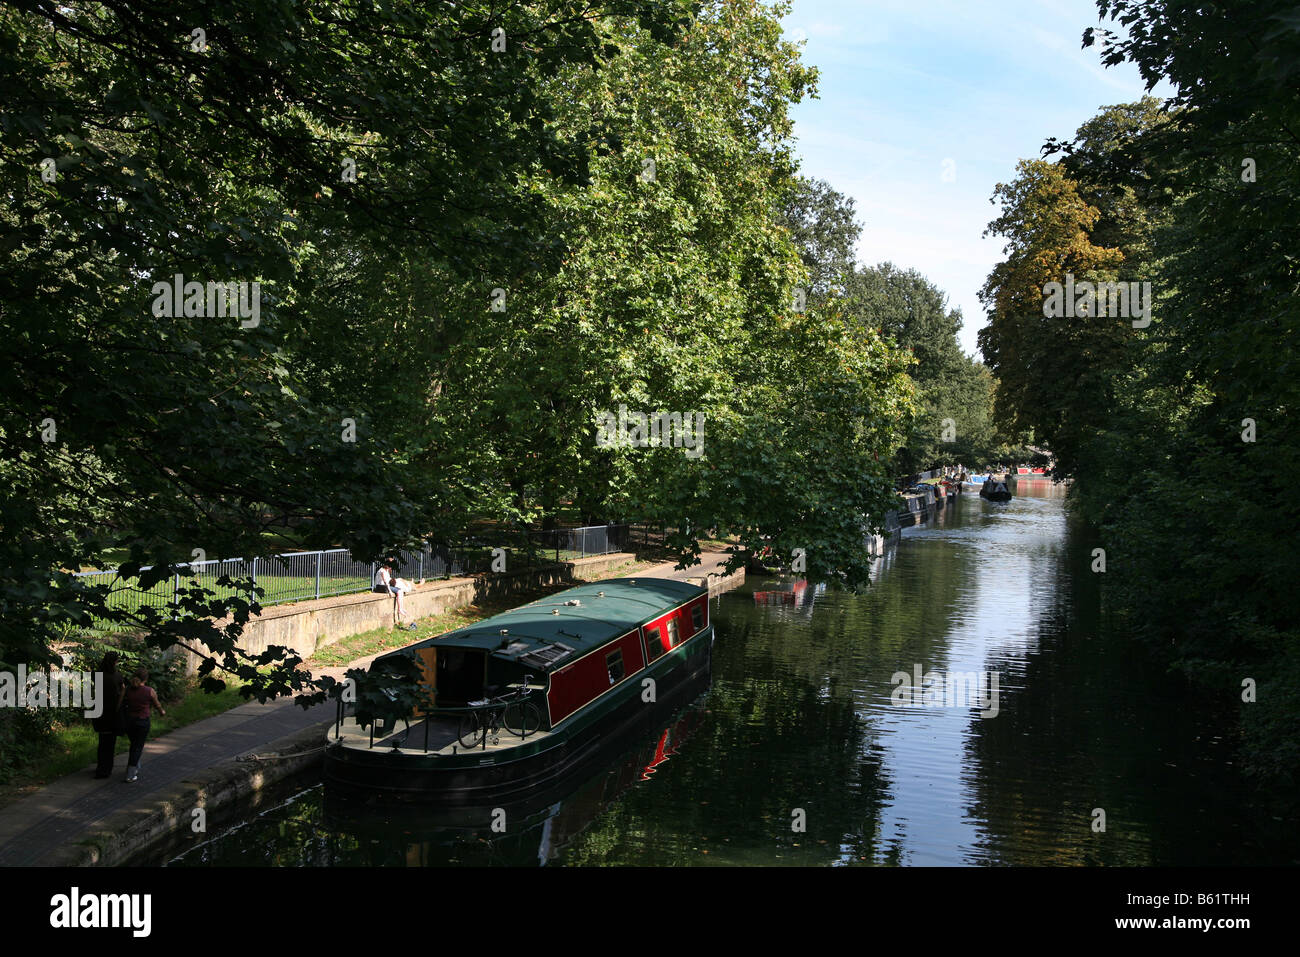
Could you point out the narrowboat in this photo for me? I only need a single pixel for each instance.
(996, 491)
(517, 701)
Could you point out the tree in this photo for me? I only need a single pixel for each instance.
(1052, 371)
(375, 182)
(676, 295)
(951, 424)
(825, 230)
(218, 144)
(1230, 156)
(1173, 430)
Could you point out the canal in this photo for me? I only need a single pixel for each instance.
(808, 748)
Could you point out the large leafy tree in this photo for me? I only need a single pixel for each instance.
(391, 177)
(1051, 370)
(825, 229)
(676, 295)
(146, 140)
(1230, 155)
(953, 421)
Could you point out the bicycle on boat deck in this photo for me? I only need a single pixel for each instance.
(512, 712)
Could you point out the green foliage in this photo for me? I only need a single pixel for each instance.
(1192, 509)
(389, 691)
(674, 295)
(822, 224)
(166, 669)
(26, 733)
(176, 433)
(953, 423)
(1053, 372)
(906, 306)
(229, 163)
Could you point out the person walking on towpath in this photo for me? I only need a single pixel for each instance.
(139, 701)
(110, 722)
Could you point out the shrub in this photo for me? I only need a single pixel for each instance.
(25, 734)
(166, 669)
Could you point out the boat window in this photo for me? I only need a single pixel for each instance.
(672, 632)
(697, 617)
(614, 664)
(654, 646)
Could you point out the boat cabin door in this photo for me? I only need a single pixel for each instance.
(427, 659)
(461, 675)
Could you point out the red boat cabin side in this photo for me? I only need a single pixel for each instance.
(578, 684)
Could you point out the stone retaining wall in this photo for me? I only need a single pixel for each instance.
(306, 626)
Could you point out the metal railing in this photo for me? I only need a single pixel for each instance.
(299, 576)
(484, 712)
(570, 543)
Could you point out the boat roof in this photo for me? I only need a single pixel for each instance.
(551, 631)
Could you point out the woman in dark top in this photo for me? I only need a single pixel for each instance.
(139, 701)
(110, 722)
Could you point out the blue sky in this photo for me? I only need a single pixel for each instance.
(907, 84)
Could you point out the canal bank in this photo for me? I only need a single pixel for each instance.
(207, 767)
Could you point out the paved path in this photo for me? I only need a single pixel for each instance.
(710, 566)
(33, 828)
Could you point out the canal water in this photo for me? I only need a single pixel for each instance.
(1037, 736)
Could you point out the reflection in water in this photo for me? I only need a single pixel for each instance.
(996, 566)
(796, 596)
(799, 727)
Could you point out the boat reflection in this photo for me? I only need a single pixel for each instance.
(798, 594)
(536, 827)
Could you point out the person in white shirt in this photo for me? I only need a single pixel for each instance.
(388, 584)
